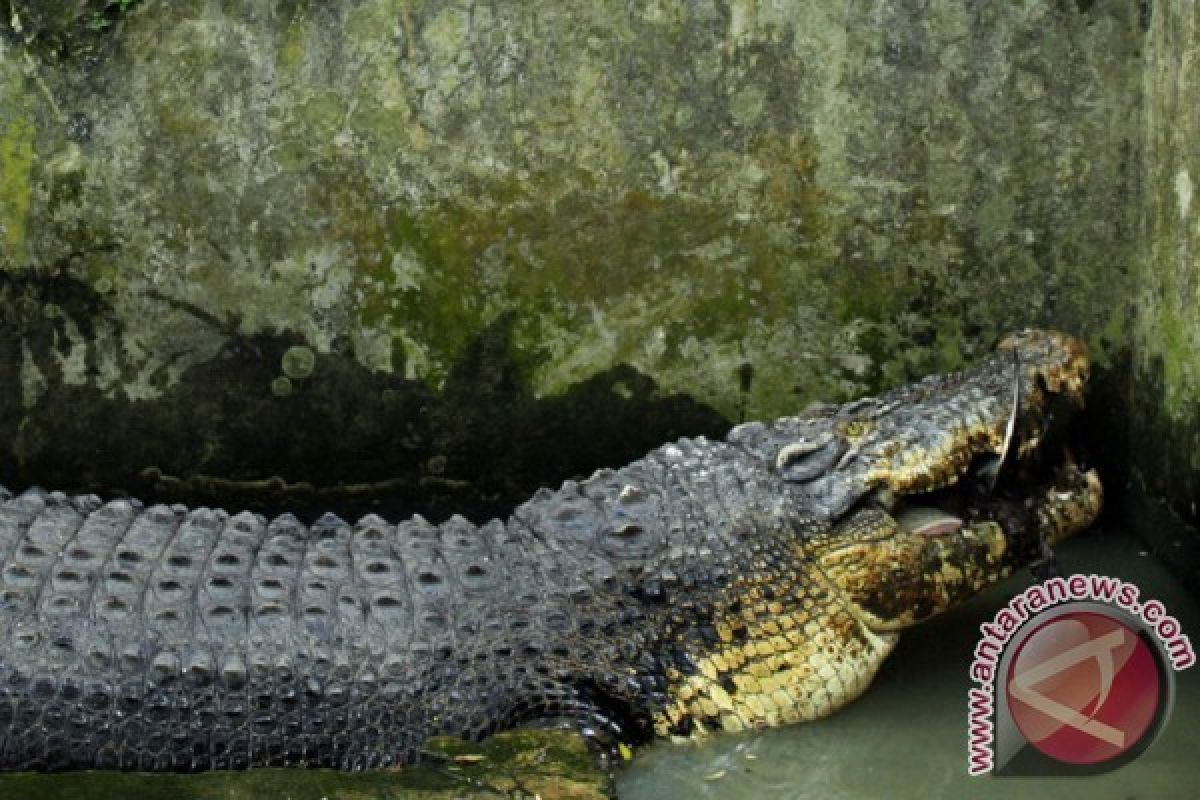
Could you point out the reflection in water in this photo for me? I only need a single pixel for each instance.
(907, 736)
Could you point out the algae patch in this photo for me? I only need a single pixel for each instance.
(298, 362)
(552, 765)
(16, 167)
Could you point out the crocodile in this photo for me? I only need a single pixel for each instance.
(711, 585)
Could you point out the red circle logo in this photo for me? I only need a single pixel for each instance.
(1084, 688)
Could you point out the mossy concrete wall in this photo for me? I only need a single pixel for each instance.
(268, 247)
(1164, 405)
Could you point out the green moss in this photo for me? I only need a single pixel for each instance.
(294, 44)
(548, 764)
(16, 167)
(298, 362)
(59, 28)
(681, 266)
(281, 386)
(321, 115)
(746, 106)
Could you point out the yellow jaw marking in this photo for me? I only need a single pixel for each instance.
(777, 661)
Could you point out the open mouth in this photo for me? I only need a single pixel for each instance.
(1037, 501)
(1015, 470)
(898, 559)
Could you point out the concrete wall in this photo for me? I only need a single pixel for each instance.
(1164, 393)
(338, 241)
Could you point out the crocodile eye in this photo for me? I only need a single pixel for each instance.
(805, 459)
(855, 428)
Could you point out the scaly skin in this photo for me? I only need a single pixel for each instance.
(734, 584)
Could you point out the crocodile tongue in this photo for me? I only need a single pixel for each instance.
(928, 521)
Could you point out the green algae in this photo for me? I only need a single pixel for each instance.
(1164, 329)
(16, 166)
(298, 362)
(442, 275)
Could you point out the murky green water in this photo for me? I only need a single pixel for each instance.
(907, 736)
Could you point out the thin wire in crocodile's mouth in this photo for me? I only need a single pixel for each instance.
(1014, 459)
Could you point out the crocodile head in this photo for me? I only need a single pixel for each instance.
(942, 487)
(904, 505)
(988, 421)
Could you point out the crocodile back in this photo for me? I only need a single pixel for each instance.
(164, 638)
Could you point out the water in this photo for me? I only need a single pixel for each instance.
(907, 736)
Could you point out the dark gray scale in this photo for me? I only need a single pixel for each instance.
(275, 682)
(327, 570)
(475, 572)
(484, 577)
(799, 448)
(36, 552)
(690, 521)
(513, 547)
(168, 608)
(334, 623)
(44, 646)
(579, 628)
(631, 502)
(379, 574)
(513, 634)
(86, 504)
(667, 462)
(562, 529)
(543, 541)
(749, 496)
(714, 508)
(535, 621)
(470, 551)
(274, 578)
(77, 647)
(562, 519)
(223, 595)
(452, 623)
(761, 489)
(99, 535)
(123, 581)
(676, 509)
(281, 661)
(468, 559)
(730, 475)
(525, 585)
(17, 582)
(434, 593)
(174, 579)
(379, 700)
(568, 521)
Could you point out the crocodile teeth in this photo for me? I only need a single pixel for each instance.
(928, 521)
